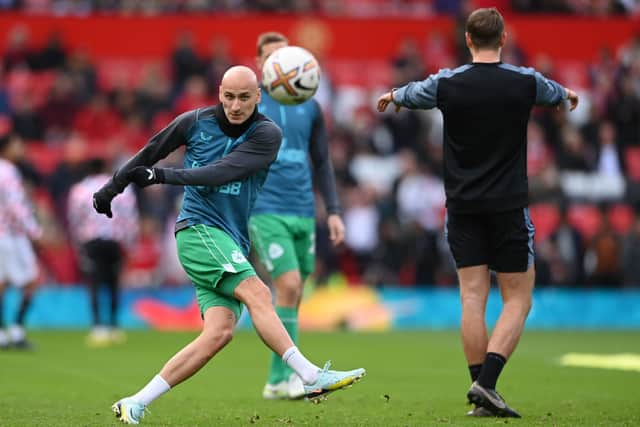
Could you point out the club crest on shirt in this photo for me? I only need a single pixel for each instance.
(238, 257)
(275, 251)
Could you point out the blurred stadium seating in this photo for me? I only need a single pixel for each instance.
(76, 87)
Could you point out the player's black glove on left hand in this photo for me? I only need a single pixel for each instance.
(102, 201)
(143, 176)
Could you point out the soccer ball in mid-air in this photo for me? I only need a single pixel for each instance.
(291, 75)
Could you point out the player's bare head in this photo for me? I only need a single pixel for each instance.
(267, 44)
(239, 93)
(485, 29)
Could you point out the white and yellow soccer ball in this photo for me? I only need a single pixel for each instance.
(291, 75)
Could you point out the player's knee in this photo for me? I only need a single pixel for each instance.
(289, 289)
(216, 341)
(521, 304)
(224, 337)
(473, 301)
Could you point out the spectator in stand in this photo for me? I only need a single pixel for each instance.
(27, 122)
(574, 155)
(101, 244)
(217, 63)
(624, 109)
(603, 257)
(609, 159)
(52, 56)
(631, 254)
(83, 74)
(67, 172)
(18, 53)
(420, 202)
(408, 64)
(5, 108)
(184, 61)
(59, 109)
(153, 93)
(195, 95)
(98, 120)
(361, 219)
(567, 262)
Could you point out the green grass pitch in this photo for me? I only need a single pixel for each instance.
(413, 379)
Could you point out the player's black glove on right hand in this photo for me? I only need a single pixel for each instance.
(143, 176)
(102, 201)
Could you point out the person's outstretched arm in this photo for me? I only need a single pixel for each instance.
(254, 154)
(551, 93)
(158, 147)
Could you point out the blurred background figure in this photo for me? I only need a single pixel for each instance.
(101, 244)
(18, 228)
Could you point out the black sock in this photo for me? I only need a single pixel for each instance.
(474, 371)
(113, 319)
(93, 291)
(491, 368)
(24, 306)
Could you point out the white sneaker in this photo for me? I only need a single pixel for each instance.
(276, 391)
(99, 337)
(4, 339)
(16, 333)
(295, 387)
(128, 410)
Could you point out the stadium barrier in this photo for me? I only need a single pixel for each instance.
(569, 38)
(341, 307)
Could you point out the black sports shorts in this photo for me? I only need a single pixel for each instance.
(501, 240)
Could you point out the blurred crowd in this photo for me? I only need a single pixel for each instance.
(584, 167)
(352, 8)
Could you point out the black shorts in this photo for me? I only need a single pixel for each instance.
(501, 240)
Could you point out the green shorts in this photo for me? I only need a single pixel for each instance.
(284, 243)
(215, 264)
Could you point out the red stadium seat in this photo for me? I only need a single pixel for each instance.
(621, 218)
(44, 158)
(586, 219)
(127, 72)
(545, 218)
(632, 159)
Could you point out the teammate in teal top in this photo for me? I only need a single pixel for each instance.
(282, 222)
(229, 148)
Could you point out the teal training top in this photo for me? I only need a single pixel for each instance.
(225, 166)
(288, 189)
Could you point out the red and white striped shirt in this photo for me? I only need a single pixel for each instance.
(86, 224)
(17, 216)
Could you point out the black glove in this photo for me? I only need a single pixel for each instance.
(102, 201)
(143, 176)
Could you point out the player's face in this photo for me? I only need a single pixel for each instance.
(267, 50)
(239, 102)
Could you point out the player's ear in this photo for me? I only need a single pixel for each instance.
(220, 97)
(503, 39)
(258, 95)
(467, 39)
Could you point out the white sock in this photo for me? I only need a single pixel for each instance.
(16, 332)
(306, 370)
(156, 388)
(4, 338)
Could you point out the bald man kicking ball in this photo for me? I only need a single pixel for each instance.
(228, 150)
